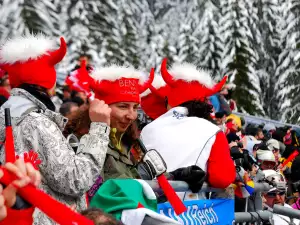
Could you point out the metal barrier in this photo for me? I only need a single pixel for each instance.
(257, 217)
(253, 217)
(292, 213)
(181, 186)
(259, 120)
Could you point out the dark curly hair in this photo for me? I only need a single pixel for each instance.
(200, 109)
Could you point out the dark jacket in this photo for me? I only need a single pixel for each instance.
(119, 165)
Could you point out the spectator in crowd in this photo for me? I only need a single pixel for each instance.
(68, 109)
(228, 92)
(79, 123)
(120, 87)
(87, 58)
(231, 128)
(287, 139)
(295, 145)
(266, 159)
(66, 93)
(186, 131)
(269, 128)
(79, 97)
(258, 134)
(221, 120)
(254, 136)
(274, 146)
(277, 195)
(66, 175)
(79, 101)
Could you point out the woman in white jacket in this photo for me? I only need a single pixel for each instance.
(67, 176)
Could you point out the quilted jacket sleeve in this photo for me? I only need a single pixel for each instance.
(63, 170)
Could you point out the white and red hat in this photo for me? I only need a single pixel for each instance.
(79, 80)
(119, 84)
(187, 83)
(153, 100)
(31, 59)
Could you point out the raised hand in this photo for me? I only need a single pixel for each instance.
(99, 112)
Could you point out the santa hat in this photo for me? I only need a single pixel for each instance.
(153, 99)
(187, 83)
(31, 59)
(119, 84)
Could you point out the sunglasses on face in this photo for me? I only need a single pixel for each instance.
(275, 193)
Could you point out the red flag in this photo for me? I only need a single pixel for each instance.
(289, 159)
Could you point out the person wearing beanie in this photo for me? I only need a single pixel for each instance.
(30, 63)
(153, 100)
(185, 136)
(266, 159)
(120, 88)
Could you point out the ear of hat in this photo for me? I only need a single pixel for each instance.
(119, 84)
(153, 99)
(31, 59)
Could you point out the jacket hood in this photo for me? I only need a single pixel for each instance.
(22, 103)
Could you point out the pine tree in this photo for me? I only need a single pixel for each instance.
(76, 15)
(30, 16)
(264, 17)
(288, 70)
(239, 56)
(115, 28)
(210, 44)
(129, 14)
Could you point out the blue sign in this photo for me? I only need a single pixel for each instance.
(202, 212)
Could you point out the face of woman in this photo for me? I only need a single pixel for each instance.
(122, 115)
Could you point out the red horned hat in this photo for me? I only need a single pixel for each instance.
(187, 83)
(153, 99)
(119, 84)
(31, 59)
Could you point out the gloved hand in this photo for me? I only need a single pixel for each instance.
(193, 175)
(154, 163)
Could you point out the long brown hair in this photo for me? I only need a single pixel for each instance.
(79, 125)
